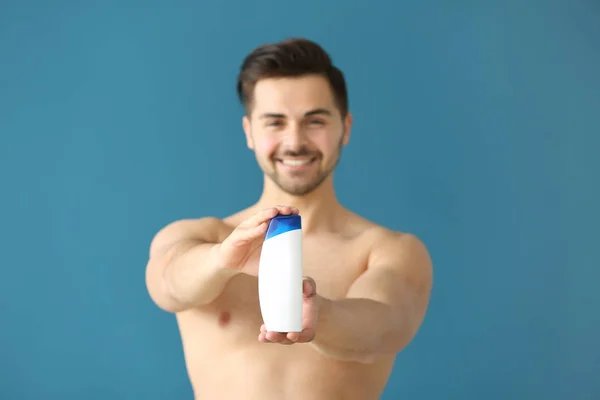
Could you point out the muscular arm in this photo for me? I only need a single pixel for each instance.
(384, 307)
(182, 271)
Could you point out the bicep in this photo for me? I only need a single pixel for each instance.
(171, 241)
(379, 283)
(398, 274)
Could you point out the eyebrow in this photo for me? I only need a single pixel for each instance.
(316, 111)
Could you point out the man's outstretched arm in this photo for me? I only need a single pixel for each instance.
(182, 270)
(384, 307)
(191, 261)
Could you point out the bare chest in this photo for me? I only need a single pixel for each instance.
(333, 264)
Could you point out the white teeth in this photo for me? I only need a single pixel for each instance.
(295, 163)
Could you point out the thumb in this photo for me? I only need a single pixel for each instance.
(309, 287)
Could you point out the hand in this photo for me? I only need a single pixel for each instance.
(310, 312)
(241, 249)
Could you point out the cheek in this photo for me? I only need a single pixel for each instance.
(265, 145)
(327, 139)
(328, 145)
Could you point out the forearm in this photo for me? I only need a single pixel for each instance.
(191, 276)
(356, 329)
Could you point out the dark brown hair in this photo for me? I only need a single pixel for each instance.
(290, 58)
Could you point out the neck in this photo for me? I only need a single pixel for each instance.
(318, 208)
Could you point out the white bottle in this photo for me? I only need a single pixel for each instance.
(280, 275)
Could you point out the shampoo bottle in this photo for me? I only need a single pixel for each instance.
(280, 275)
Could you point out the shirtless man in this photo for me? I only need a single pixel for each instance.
(369, 286)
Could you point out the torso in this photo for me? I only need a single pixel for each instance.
(225, 360)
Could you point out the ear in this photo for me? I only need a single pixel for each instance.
(347, 128)
(248, 132)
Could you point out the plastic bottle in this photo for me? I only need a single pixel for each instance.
(280, 275)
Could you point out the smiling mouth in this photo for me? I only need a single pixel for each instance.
(296, 162)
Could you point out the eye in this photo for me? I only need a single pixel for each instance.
(316, 122)
(274, 123)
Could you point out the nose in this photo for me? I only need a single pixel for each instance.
(295, 136)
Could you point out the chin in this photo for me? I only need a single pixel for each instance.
(295, 187)
(298, 191)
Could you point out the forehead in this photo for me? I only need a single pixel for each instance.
(292, 96)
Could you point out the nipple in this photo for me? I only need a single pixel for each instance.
(224, 319)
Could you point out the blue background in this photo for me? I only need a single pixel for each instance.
(476, 127)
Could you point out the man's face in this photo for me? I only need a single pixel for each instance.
(296, 131)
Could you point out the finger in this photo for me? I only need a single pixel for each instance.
(276, 337)
(260, 217)
(309, 287)
(285, 341)
(262, 337)
(305, 336)
(257, 225)
(269, 213)
(309, 312)
(245, 234)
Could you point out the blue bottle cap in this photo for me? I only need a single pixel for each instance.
(282, 224)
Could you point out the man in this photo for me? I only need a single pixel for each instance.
(367, 287)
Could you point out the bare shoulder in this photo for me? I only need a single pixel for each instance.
(392, 248)
(400, 246)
